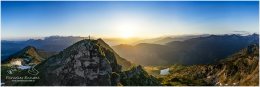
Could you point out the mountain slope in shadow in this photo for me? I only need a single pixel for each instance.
(201, 50)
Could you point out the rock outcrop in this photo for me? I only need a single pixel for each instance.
(121, 61)
(137, 76)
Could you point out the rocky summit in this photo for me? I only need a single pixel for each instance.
(85, 63)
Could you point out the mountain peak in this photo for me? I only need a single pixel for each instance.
(27, 55)
(85, 61)
(30, 47)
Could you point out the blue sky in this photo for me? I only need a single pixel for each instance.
(126, 19)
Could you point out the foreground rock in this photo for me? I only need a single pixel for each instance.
(137, 76)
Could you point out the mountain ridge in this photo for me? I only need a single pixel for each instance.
(240, 68)
(201, 50)
(27, 55)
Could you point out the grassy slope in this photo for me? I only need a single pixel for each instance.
(239, 69)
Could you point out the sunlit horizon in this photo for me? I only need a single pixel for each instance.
(126, 20)
(132, 38)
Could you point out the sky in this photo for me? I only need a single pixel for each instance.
(21, 20)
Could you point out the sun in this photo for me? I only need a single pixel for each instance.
(127, 34)
(127, 29)
(127, 26)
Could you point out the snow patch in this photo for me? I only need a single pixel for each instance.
(24, 67)
(165, 71)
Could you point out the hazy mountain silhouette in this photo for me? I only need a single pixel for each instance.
(50, 44)
(166, 39)
(55, 44)
(201, 50)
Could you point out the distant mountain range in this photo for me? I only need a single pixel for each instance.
(187, 49)
(200, 50)
(166, 39)
(54, 44)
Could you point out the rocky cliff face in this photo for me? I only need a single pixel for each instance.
(86, 63)
(137, 76)
(121, 61)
